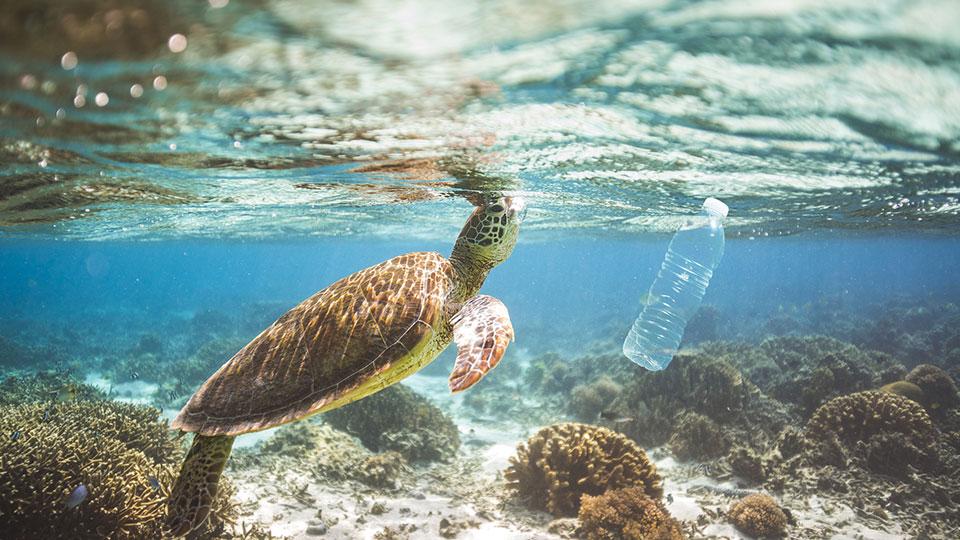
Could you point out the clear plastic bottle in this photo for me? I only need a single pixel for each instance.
(676, 294)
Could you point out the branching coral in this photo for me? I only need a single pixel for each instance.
(45, 386)
(563, 462)
(939, 390)
(697, 437)
(398, 418)
(758, 515)
(626, 514)
(123, 456)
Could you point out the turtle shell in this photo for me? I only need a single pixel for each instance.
(328, 350)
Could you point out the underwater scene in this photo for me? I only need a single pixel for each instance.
(485, 269)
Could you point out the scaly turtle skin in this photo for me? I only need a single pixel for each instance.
(356, 337)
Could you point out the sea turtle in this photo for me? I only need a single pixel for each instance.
(356, 337)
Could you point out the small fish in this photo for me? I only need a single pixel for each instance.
(669, 498)
(612, 416)
(154, 483)
(15, 436)
(46, 415)
(134, 375)
(67, 392)
(77, 496)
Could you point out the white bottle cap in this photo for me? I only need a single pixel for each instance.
(716, 207)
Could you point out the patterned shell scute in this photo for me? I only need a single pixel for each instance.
(326, 347)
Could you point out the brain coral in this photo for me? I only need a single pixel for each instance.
(758, 515)
(857, 417)
(905, 389)
(626, 514)
(563, 462)
(121, 453)
(939, 390)
(399, 419)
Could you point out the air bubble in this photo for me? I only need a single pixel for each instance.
(69, 60)
(101, 99)
(136, 90)
(159, 82)
(177, 43)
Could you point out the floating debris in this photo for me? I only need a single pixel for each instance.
(77, 496)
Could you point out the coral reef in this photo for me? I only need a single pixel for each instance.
(859, 416)
(563, 462)
(812, 369)
(758, 515)
(382, 470)
(747, 463)
(47, 386)
(198, 367)
(587, 401)
(626, 514)
(324, 452)
(701, 382)
(905, 389)
(697, 437)
(121, 454)
(397, 418)
(939, 390)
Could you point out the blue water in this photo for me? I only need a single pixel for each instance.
(556, 289)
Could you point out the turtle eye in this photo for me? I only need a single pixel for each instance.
(497, 208)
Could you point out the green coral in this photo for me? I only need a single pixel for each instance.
(563, 462)
(122, 453)
(626, 514)
(397, 418)
(758, 515)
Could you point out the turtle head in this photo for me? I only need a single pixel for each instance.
(488, 237)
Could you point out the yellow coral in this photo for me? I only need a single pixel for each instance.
(121, 453)
(565, 461)
(626, 514)
(758, 515)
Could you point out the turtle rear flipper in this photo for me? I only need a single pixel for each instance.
(196, 487)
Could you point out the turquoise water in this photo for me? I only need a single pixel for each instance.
(174, 176)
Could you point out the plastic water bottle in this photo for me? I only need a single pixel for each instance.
(676, 294)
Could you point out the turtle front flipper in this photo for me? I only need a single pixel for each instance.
(197, 484)
(482, 331)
